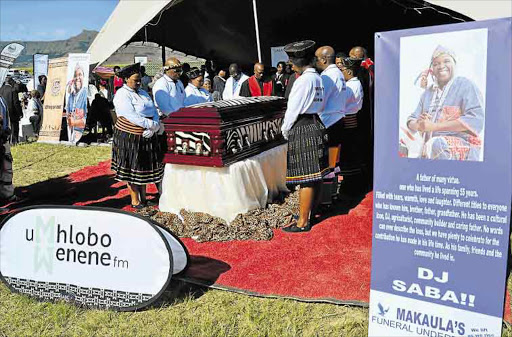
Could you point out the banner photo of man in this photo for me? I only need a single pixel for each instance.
(76, 95)
(7, 57)
(442, 95)
(40, 67)
(54, 100)
(441, 199)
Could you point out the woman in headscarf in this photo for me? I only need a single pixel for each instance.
(194, 92)
(450, 114)
(136, 151)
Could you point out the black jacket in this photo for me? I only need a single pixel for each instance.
(10, 97)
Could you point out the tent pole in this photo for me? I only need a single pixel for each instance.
(257, 29)
(163, 54)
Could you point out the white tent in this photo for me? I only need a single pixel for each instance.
(225, 29)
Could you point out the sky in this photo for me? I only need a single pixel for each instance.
(39, 20)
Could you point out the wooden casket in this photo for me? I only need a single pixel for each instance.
(221, 133)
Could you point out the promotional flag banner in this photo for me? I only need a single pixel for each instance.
(94, 257)
(40, 67)
(443, 174)
(77, 83)
(54, 100)
(278, 54)
(7, 57)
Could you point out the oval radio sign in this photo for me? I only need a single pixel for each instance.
(95, 257)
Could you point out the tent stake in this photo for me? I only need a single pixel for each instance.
(257, 29)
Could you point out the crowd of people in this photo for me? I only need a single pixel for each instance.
(327, 94)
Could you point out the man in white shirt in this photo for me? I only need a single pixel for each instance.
(234, 82)
(307, 160)
(334, 101)
(168, 91)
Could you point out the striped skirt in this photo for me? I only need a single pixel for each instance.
(135, 159)
(307, 158)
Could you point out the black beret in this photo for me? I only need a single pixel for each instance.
(194, 73)
(351, 62)
(129, 70)
(300, 49)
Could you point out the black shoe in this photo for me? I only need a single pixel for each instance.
(294, 229)
(139, 206)
(152, 202)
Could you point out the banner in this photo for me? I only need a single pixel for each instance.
(94, 257)
(141, 59)
(77, 84)
(54, 100)
(443, 176)
(278, 54)
(40, 67)
(7, 57)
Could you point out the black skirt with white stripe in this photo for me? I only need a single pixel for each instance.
(135, 159)
(307, 158)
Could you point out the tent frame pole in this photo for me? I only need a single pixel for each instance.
(257, 29)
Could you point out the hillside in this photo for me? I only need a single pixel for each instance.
(75, 44)
(80, 44)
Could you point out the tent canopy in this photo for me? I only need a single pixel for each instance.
(225, 31)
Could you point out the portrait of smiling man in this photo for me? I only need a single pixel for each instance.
(442, 116)
(76, 105)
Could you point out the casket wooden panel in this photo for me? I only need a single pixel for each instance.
(221, 133)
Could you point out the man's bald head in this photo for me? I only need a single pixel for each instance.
(259, 69)
(234, 71)
(325, 56)
(358, 52)
(172, 68)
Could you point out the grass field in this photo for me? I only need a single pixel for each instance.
(184, 310)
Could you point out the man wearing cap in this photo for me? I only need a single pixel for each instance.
(234, 82)
(307, 159)
(256, 85)
(194, 92)
(168, 90)
(450, 114)
(334, 101)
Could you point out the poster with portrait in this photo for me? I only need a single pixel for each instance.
(54, 101)
(442, 180)
(442, 95)
(76, 95)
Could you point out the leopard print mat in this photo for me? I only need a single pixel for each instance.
(253, 225)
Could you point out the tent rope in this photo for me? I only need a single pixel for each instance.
(423, 7)
(172, 3)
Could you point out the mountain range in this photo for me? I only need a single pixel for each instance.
(80, 44)
(75, 44)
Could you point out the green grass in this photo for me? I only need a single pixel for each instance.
(184, 310)
(36, 162)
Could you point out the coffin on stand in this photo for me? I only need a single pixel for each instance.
(220, 133)
(231, 156)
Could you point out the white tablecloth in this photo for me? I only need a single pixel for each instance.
(227, 191)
